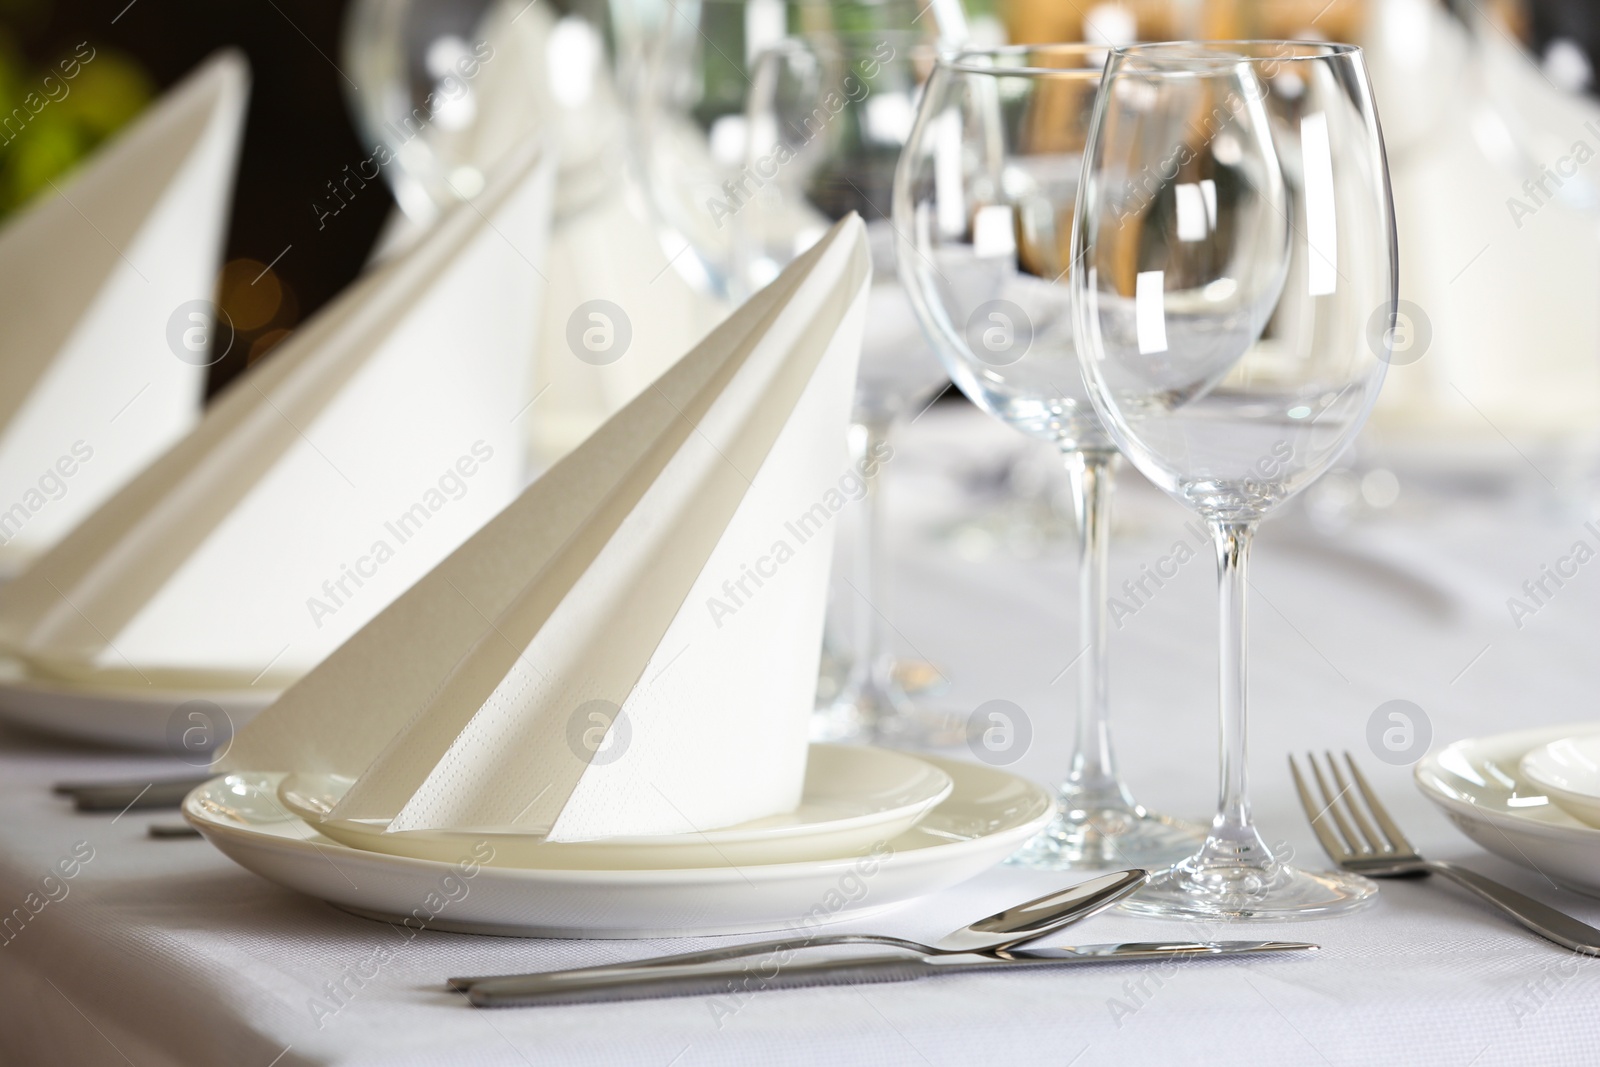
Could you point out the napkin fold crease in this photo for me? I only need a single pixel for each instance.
(97, 381)
(228, 561)
(566, 672)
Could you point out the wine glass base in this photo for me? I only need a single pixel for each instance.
(1246, 894)
(1127, 840)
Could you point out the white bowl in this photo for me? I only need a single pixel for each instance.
(1568, 771)
(1479, 784)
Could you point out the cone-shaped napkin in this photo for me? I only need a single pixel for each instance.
(674, 566)
(91, 277)
(320, 485)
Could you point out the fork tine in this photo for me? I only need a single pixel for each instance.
(1331, 800)
(1376, 840)
(1331, 844)
(1397, 839)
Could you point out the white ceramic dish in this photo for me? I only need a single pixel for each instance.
(146, 719)
(853, 796)
(1568, 771)
(986, 817)
(1479, 785)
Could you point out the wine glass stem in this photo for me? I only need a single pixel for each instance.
(867, 439)
(1232, 823)
(1093, 779)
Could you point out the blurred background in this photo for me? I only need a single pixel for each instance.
(1479, 98)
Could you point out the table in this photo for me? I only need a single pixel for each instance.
(162, 952)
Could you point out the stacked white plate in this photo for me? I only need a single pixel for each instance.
(152, 718)
(874, 828)
(1532, 797)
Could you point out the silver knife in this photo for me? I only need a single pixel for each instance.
(746, 976)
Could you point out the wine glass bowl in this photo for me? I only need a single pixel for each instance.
(1229, 337)
(1234, 238)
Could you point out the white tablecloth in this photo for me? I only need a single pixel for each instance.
(163, 952)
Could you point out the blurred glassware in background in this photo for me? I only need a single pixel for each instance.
(413, 58)
(697, 60)
(446, 90)
(984, 200)
(1497, 197)
(827, 113)
(451, 85)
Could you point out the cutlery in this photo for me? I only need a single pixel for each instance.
(735, 977)
(994, 933)
(135, 793)
(1382, 851)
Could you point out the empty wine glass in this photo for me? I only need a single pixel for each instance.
(827, 115)
(1234, 287)
(984, 199)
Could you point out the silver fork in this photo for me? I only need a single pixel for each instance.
(1382, 851)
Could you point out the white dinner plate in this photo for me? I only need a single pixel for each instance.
(1479, 784)
(1568, 771)
(144, 718)
(853, 796)
(986, 817)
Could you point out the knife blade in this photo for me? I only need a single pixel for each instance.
(748, 976)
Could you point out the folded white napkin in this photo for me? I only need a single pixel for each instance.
(91, 277)
(321, 484)
(674, 566)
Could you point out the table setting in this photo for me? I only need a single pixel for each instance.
(730, 579)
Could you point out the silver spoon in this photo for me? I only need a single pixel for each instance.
(990, 935)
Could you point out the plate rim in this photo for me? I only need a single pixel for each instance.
(1590, 799)
(728, 836)
(1430, 765)
(30, 682)
(661, 876)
